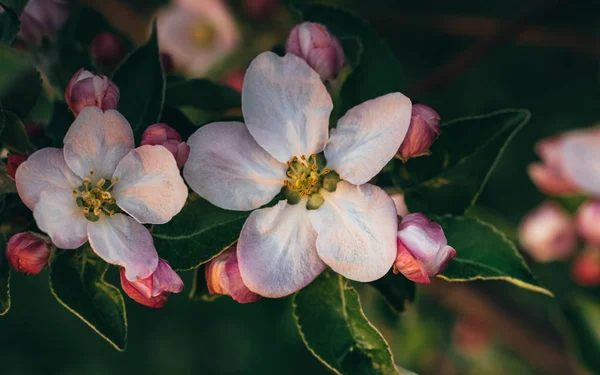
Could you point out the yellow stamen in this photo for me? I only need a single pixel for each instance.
(100, 183)
(92, 172)
(105, 195)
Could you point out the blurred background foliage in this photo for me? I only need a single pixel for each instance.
(548, 63)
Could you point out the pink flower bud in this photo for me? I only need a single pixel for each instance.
(107, 50)
(235, 79)
(154, 290)
(321, 50)
(164, 135)
(423, 130)
(401, 208)
(548, 234)
(223, 277)
(13, 162)
(34, 129)
(470, 335)
(261, 9)
(87, 89)
(42, 19)
(423, 250)
(27, 252)
(549, 175)
(585, 269)
(587, 222)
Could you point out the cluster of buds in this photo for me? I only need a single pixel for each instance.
(87, 89)
(28, 252)
(153, 291)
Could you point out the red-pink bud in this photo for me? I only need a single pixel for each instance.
(164, 135)
(87, 89)
(585, 269)
(549, 175)
(13, 162)
(548, 234)
(470, 335)
(587, 222)
(234, 79)
(423, 250)
(261, 9)
(223, 277)
(321, 50)
(153, 291)
(401, 208)
(27, 252)
(107, 50)
(42, 19)
(423, 130)
(34, 129)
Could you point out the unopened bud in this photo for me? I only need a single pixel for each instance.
(587, 222)
(34, 129)
(548, 234)
(153, 291)
(107, 50)
(424, 128)
(321, 50)
(261, 9)
(223, 277)
(401, 208)
(423, 250)
(549, 175)
(13, 162)
(28, 252)
(585, 269)
(87, 89)
(164, 135)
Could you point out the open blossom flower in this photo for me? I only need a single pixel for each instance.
(223, 277)
(87, 89)
(332, 216)
(197, 34)
(99, 188)
(42, 19)
(550, 175)
(154, 290)
(423, 250)
(548, 233)
(580, 152)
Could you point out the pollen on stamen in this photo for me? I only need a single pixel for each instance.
(86, 181)
(314, 167)
(111, 201)
(97, 211)
(74, 193)
(325, 171)
(313, 156)
(115, 179)
(289, 173)
(100, 183)
(86, 210)
(92, 172)
(106, 195)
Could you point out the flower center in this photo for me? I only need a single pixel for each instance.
(306, 176)
(203, 34)
(95, 199)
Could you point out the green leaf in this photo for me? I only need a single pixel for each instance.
(199, 290)
(379, 72)
(398, 291)
(4, 278)
(14, 136)
(484, 253)
(336, 331)
(580, 320)
(202, 94)
(59, 124)
(197, 234)
(77, 282)
(20, 82)
(463, 158)
(9, 19)
(141, 82)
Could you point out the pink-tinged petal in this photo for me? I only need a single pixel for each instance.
(45, 169)
(548, 181)
(229, 169)
(123, 241)
(286, 106)
(223, 277)
(276, 250)
(57, 214)
(154, 290)
(97, 140)
(581, 159)
(367, 137)
(132, 289)
(401, 208)
(588, 222)
(411, 269)
(165, 280)
(356, 228)
(149, 185)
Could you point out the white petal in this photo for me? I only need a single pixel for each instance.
(367, 137)
(150, 187)
(286, 106)
(356, 228)
(276, 250)
(581, 159)
(97, 140)
(57, 215)
(43, 170)
(229, 169)
(123, 241)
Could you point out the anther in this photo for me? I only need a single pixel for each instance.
(314, 167)
(86, 181)
(106, 195)
(289, 173)
(326, 170)
(97, 211)
(295, 158)
(100, 183)
(303, 157)
(289, 164)
(111, 201)
(302, 193)
(92, 172)
(86, 210)
(313, 156)
(74, 193)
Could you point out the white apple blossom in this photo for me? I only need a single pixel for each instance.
(332, 216)
(99, 188)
